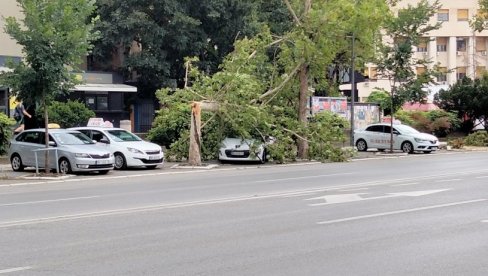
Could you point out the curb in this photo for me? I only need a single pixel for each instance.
(203, 167)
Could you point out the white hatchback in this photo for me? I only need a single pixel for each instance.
(405, 138)
(129, 150)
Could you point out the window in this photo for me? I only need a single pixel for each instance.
(481, 45)
(441, 44)
(375, 129)
(422, 47)
(461, 44)
(97, 102)
(462, 15)
(480, 71)
(461, 72)
(442, 77)
(30, 137)
(443, 15)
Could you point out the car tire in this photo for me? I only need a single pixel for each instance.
(152, 167)
(64, 166)
(361, 145)
(16, 163)
(120, 163)
(263, 157)
(407, 147)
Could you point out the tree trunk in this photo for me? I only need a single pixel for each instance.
(194, 158)
(303, 112)
(46, 138)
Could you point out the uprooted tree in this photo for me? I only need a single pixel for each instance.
(262, 87)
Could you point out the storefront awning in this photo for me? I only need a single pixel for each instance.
(95, 87)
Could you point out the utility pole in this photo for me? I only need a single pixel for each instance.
(353, 90)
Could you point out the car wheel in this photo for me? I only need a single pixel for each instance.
(263, 157)
(151, 167)
(361, 145)
(16, 163)
(407, 147)
(64, 166)
(120, 162)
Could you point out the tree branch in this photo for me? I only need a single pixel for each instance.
(282, 84)
(293, 12)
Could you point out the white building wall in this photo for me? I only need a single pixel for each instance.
(8, 46)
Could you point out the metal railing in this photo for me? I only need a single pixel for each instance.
(55, 155)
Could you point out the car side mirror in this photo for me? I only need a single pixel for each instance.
(105, 141)
(396, 132)
(51, 143)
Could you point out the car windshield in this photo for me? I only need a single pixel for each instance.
(406, 129)
(120, 135)
(72, 138)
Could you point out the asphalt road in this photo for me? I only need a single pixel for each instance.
(415, 215)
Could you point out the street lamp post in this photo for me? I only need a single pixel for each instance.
(353, 90)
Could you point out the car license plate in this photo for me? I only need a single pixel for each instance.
(238, 153)
(101, 162)
(151, 157)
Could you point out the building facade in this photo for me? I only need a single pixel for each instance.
(455, 47)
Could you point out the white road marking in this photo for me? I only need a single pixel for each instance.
(448, 180)
(400, 211)
(15, 269)
(484, 220)
(343, 198)
(480, 177)
(302, 177)
(353, 190)
(47, 201)
(406, 184)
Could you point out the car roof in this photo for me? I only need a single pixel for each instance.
(51, 130)
(97, 128)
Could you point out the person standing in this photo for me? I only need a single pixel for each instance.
(19, 115)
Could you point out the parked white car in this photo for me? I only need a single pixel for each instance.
(405, 138)
(238, 149)
(128, 149)
(69, 150)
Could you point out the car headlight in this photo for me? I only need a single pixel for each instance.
(133, 150)
(418, 140)
(82, 155)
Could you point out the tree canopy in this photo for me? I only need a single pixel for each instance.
(258, 89)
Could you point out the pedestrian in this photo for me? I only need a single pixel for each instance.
(19, 115)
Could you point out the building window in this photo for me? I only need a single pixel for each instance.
(442, 77)
(480, 71)
(442, 48)
(462, 15)
(461, 73)
(422, 47)
(97, 102)
(443, 15)
(461, 44)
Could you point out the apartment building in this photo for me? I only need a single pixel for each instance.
(457, 49)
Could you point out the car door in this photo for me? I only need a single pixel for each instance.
(30, 147)
(374, 134)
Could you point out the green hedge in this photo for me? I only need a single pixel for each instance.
(6, 124)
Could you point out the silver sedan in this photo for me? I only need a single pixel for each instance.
(69, 150)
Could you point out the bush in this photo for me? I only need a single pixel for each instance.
(5, 132)
(69, 114)
(438, 122)
(477, 139)
(457, 143)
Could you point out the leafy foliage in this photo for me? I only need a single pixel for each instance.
(467, 98)
(70, 113)
(477, 139)
(380, 97)
(5, 132)
(438, 122)
(396, 61)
